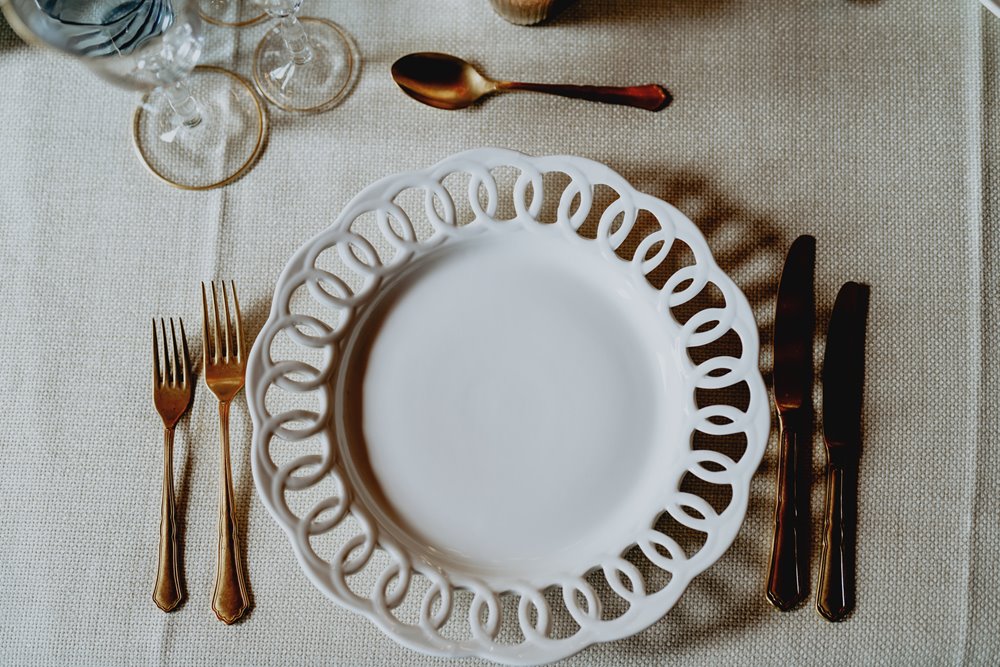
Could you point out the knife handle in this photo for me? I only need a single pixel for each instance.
(835, 597)
(788, 574)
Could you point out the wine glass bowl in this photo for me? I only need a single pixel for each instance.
(198, 127)
(136, 44)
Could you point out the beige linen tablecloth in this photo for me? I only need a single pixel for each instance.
(873, 125)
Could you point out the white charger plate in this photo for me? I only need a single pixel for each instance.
(470, 418)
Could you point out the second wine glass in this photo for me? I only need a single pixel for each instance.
(304, 64)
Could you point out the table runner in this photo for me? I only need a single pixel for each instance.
(872, 125)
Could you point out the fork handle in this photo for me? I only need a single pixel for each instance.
(167, 589)
(835, 596)
(230, 600)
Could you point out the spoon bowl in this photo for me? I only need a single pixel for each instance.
(441, 80)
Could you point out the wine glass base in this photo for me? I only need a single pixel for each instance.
(230, 14)
(317, 85)
(219, 149)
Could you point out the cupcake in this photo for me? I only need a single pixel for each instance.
(527, 12)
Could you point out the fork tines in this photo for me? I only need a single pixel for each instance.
(227, 343)
(170, 368)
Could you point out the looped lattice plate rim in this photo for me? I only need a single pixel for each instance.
(514, 614)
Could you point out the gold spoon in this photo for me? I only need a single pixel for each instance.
(447, 82)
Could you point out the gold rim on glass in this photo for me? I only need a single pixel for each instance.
(352, 63)
(234, 24)
(242, 169)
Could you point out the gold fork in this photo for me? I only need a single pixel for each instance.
(225, 370)
(172, 397)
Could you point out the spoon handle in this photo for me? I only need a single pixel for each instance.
(651, 97)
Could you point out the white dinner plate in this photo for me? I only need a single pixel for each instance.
(475, 410)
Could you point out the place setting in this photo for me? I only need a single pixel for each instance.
(511, 499)
(492, 369)
(509, 403)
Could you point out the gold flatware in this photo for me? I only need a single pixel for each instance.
(788, 574)
(843, 385)
(447, 82)
(225, 353)
(172, 396)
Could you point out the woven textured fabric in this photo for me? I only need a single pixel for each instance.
(874, 126)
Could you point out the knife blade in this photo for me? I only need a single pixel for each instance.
(794, 324)
(843, 388)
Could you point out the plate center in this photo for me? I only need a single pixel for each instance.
(511, 403)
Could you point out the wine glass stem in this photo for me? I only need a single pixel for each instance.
(296, 41)
(183, 104)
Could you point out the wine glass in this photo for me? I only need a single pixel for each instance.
(198, 127)
(304, 64)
